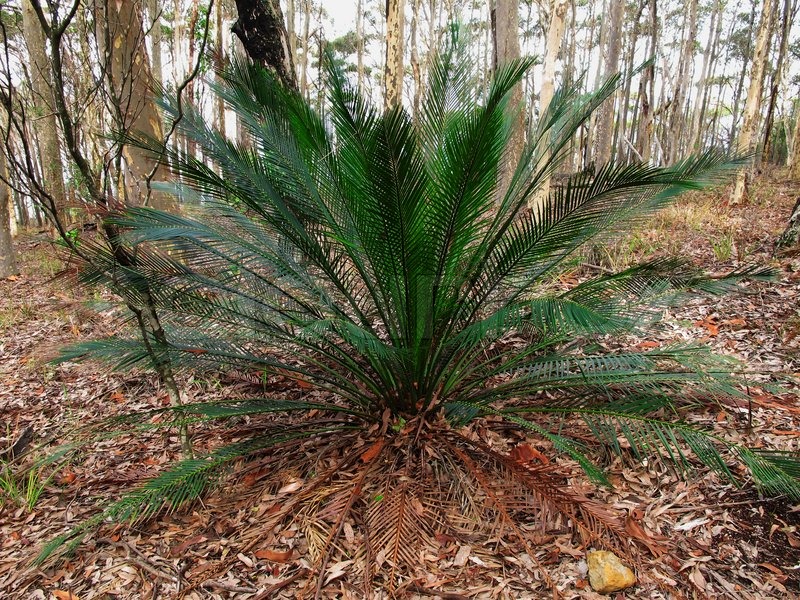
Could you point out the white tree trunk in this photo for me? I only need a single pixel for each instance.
(393, 72)
(154, 14)
(752, 107)
(554, 34)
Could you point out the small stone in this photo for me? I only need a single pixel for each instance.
(607, 574)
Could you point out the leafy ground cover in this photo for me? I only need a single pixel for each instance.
(720, 541)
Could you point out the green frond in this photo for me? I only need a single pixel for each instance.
(564, 444)
(179, 485)
(121, 353)
(371, 256)
(775, 472)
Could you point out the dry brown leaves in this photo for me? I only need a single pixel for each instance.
(725, 542)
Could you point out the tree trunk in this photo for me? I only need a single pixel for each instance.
(621, 130)
(677, 121)
(306, 44)
(506, 48)
(712, 53)
(605, 121)
(263, 33)
(154, 14)
(591, 133)
(747, 135)
(393, 73)
(8, 265)
(701, 84)
(242, 136)
(23, 215)
(794, 155)
(290, 30)
(360, 46)
(178, 66)
(219, 112)
(569, 72)
(786, 26)
(16, 218)
(554, 34)
(644, 133)
(320, 54)
(130, 82)
(737, 95)
(487, 57)
(188, 93)
(416, 69)
(44, 124)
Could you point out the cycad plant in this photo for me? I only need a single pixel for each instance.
(369, 260)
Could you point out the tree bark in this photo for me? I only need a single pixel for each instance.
(554, 34)
(393, 72)
(591, 133)
(178, 62)
(605, 121)
(747, 134)
(737, 95)
(677, 122)
(794, 156)
(620, 131)
(8, 264)
(306, 44)
(506, 48)
(131, 85)
(697, 114)
(154, 14)
(777, 74)
(188, 93)
(220, 60)
(416, 69)
(360, 46)
(290, 30)
(703, 92)
(261, 29)
(44, 125)
(568, 166)
(644, 132)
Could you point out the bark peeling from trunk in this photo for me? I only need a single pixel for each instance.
(261, 29)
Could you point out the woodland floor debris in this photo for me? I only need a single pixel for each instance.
(727, 543)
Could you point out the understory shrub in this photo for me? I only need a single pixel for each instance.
(443, 377)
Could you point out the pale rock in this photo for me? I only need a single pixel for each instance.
(607, 574)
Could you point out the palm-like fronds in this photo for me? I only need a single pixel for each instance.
(365, 255)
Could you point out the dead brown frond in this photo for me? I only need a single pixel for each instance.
(389, 508)
(401, 526)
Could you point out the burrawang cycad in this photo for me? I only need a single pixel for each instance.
(444, 383)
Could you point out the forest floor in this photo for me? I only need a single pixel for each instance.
(724, 541)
